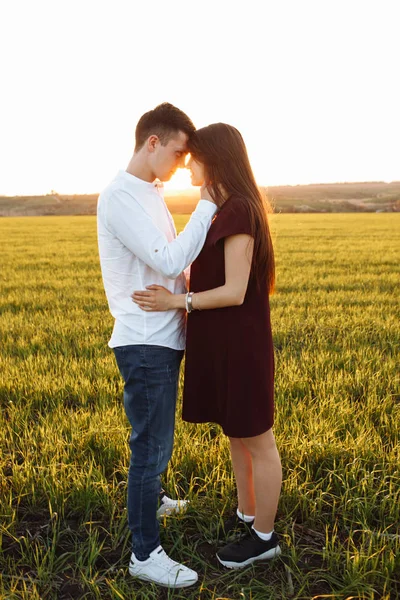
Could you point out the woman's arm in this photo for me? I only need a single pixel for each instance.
(238, 250)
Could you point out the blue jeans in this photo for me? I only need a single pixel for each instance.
(151, 376)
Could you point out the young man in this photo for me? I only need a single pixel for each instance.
(138, 246)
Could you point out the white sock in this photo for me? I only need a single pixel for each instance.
(243, 517)
(264, 536)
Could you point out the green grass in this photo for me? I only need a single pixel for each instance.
(63, 434)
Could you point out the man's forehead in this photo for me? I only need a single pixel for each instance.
(179, 142)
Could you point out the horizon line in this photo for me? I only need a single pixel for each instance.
(195, 189)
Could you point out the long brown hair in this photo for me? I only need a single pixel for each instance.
(222, 151)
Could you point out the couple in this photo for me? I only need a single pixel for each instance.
(229, 362)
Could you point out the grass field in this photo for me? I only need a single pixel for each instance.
(63, 433)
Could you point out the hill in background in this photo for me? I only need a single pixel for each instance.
(337, 197)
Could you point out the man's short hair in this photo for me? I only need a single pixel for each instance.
(164, 121)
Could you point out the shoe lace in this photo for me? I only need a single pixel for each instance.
(244, 541)
(169, 562)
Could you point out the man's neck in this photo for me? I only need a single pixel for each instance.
(138, 168)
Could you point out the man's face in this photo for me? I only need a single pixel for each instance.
(165, 160)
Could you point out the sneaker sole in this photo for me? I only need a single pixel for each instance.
(273, 553)
(174, 585)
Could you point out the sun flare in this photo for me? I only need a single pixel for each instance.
(179, 181)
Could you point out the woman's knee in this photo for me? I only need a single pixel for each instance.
(260, 444)
(235, 442)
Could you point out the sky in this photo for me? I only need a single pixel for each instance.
(312, 85)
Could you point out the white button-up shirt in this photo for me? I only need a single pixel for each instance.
(138, 246)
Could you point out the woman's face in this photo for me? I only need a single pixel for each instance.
(196, 171)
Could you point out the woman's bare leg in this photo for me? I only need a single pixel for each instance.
(267, 477)
(243, 469)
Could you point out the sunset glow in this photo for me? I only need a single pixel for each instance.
(180, 181)
(311, 86)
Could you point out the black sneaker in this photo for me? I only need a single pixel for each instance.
(234, 528)
(250, 548)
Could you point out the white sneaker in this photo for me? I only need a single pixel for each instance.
(161, 569)
(169, 506)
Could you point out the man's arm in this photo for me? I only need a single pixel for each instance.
(130, 223)
(238, 251)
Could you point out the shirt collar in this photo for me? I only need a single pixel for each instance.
(156, 184)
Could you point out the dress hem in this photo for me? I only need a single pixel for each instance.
(231, 434)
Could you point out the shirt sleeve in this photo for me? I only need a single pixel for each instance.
(232, 219)
(130, 223)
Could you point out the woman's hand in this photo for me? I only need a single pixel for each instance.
(156, 298)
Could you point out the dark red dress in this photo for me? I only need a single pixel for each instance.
(229, 364)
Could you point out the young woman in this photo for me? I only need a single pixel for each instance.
(229, 365)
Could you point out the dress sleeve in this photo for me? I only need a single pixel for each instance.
(232, 219)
